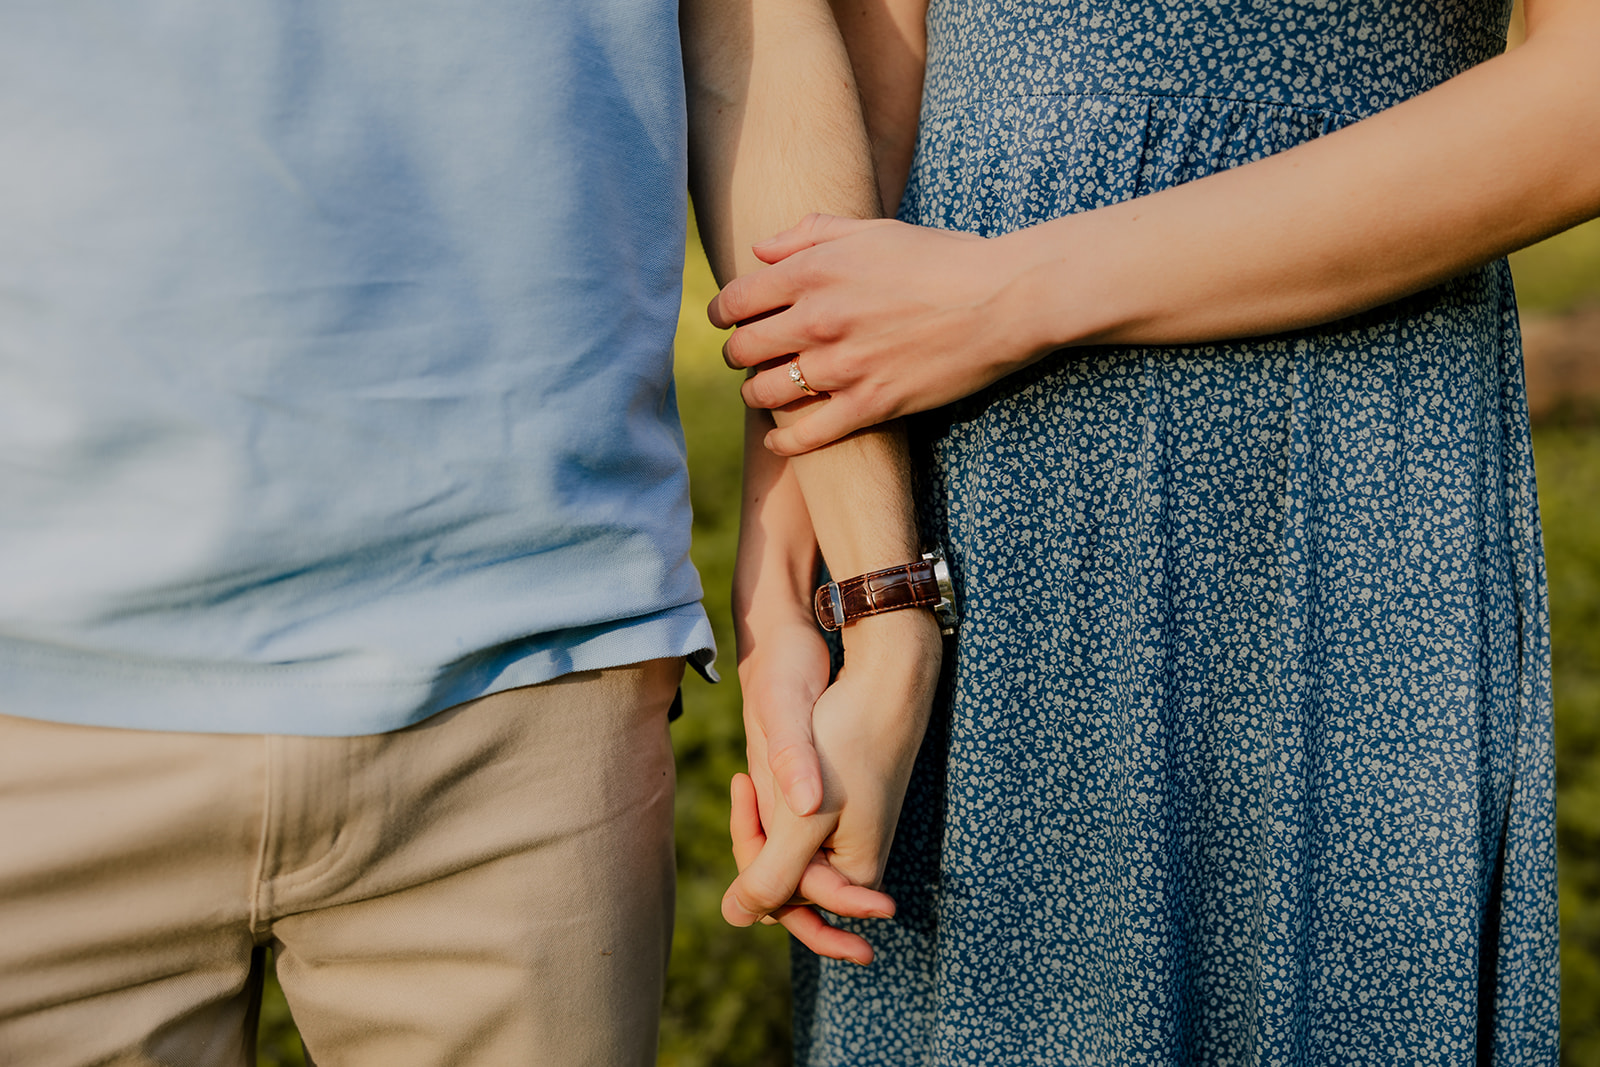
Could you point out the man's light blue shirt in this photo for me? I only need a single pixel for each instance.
(336, 357)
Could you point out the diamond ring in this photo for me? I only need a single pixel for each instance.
(799, 379)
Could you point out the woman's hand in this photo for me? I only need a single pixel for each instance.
(783, 669)
(884, 318)
(889, 319)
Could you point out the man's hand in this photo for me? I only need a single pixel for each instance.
(775, 130)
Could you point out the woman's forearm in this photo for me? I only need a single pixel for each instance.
(1492, 160)
(777, 556)
(888, 45)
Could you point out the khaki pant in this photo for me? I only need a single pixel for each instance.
(491, 886)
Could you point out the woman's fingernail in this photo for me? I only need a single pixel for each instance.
(765, 241)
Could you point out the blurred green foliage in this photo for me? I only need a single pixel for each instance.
(1569, 484)
(1559, 274)
(727, 991)
(278, 1044)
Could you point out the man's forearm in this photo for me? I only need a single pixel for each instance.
(777, 132)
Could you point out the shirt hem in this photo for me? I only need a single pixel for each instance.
(334, 697)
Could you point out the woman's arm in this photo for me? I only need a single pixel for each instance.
(888, 45)
(891, 319)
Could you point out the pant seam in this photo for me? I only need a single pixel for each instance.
(258, 908)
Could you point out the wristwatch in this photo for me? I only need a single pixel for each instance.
(923, 584)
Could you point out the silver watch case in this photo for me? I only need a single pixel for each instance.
(944, 612)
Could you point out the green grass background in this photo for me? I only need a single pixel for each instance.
(727, 992)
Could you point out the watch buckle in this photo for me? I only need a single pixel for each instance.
(836, 602)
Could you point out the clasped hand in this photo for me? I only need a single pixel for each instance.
(885, 318)
(813, 825)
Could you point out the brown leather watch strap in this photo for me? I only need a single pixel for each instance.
(914, 585)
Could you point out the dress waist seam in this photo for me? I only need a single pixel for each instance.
(1003, 98)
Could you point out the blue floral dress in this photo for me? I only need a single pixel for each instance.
(1243, 752)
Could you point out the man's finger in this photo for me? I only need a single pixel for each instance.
(814, 229)
(804, 922)
(820, 883)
